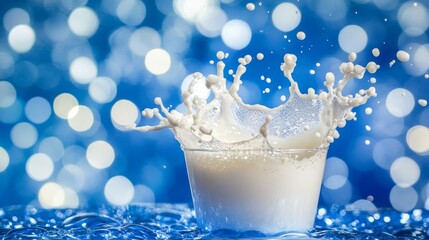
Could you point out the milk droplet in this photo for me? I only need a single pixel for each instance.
(260, 56)
(367, 142)
(367, 128)
(262, 77)
(423, 102)
(300, 35)
(427, 75)
(250, 6)
(373, 80)
(402, 56)
(230, 71)
(211, 62)
(317, 64)
(268, 80)
(267, 90)
(376, 52)
(283, 98)
(372, 67)
(220, 55)
(312, 72)
(306, 127)
(368, 111)
(391, 63)
(352, 57)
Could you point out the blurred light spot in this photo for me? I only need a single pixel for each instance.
(7, 94)
(80, 118)
(72, 4)
(131, 12)
(4, 159)
(83, 22)
(143, 40)
(175, 40)
(63, 103)
(363, 205)
(286, 17)
(100, 154)
(414, 19)
(157, 61)
(418, 139)
(39, 167)
(400, 102)
(51, 195)
(403, 199)
(119, 190)
(211, 21)
(83, 70)
(71, 176)
(331, 10)
(102, 89)
(143, 194)
(199, 88)
(53, 147)
(25, 74)
(386, 151)
(352, 38)
(405, 172)
(38, 110)
(14, 17)
(336, 173)
(124, 113)
(236, 34)
(23, 135)
(420, 60)
(190, 9)
(71, 199)
(21, 38)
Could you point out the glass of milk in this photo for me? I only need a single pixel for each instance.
(268, 190)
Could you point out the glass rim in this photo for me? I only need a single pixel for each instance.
(280, 150)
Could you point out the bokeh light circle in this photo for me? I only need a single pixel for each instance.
(80, 118)
(7, 94)
(418, 139)
(39, 167)
(51, 195)
(211, 22)
(124, 113)
(63, 103)
(53, 147)
(403, 199)
(24, 135)
(413, 18)
(100, 154)
(199, 88)
(190, 9)
(4, 159)
(131, 12)
(83, 21)
(352, 38)
(102, 89)
(83, 70)
(236, 34)
(286, 17)
(143, 40)
(38, 110)
(119, 190)
(336, 173)
(21, 38)
(405, 172)
(157, 61)
(400, 102)
(14, 17)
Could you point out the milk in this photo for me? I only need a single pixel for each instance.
(267, 191)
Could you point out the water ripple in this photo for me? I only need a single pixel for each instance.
(177, 221)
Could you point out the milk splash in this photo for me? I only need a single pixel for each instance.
(306, 120)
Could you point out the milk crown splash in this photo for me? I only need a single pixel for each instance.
(225, 122)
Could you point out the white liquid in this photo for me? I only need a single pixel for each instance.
(255, 190)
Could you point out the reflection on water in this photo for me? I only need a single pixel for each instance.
(177, 221)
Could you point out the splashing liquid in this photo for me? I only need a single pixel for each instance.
(305, 121)
(245, 160)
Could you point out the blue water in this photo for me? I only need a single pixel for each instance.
(177, 221)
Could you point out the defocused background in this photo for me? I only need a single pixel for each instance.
(74, 73)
